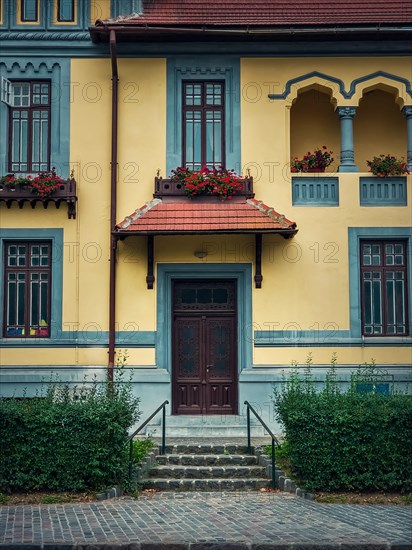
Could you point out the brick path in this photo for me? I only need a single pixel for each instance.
(206, 521)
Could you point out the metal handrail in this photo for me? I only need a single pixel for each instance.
(274, 438)
(140, 428)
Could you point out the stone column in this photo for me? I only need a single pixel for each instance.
(347, 157)
(407, 111)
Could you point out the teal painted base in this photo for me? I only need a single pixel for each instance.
(153, 385)
(348, 168)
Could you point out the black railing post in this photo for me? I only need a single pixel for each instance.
(273, 464)
(140, 428)
(130, 459)
(274, 439)
(164, 431)
(249, 446)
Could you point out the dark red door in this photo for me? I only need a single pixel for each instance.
(204, 348)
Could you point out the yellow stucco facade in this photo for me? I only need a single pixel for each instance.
(280, 107)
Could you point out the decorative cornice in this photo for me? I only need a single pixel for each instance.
(46, 35)
(347, 94)
(36, 65)
(203, 70)
(378, 74)
(307, 76)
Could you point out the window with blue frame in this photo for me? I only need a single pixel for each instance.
(29, 125)
(384, 288)
(65, 11)
(29, 11)
(27, 291)
(203, 132)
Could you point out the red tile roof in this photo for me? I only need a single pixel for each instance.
(206, 216)
(269, 13)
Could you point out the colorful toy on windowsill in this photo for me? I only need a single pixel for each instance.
(15, 332)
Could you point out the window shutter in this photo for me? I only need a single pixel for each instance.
(6, 92)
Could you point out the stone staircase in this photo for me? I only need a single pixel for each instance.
(205, 467)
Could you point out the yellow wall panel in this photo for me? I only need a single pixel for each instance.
(322, 356)
(99, 9)
(142, 130)
(142, 149)
(92, 356)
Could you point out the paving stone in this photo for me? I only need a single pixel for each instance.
(163, 546)
(211, 517)
(219, 546)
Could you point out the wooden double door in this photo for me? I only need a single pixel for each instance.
(204, 343)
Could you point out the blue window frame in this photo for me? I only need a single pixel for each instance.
(30, 239)
(55, 73)
(221, 70)
(29, 126)
(65, 11)
(27, 285)
(29, 10)
(384, 288)
(203, 130)
(358, 236)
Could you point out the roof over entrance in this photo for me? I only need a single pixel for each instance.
(203, 215)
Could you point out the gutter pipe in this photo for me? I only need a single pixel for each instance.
(103, 28)
(113, 208)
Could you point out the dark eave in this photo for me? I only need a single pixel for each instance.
(160, 33)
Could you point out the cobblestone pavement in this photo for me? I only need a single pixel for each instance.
(212, 521)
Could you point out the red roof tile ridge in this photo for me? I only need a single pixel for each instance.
(122, 18)
(270, 212)
(138, 213)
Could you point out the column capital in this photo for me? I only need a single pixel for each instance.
(346, 112)
(407, 111)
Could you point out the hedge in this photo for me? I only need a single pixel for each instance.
(346, 440)
(65, 440)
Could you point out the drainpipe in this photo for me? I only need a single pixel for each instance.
(113, 204)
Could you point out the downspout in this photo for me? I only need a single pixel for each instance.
(113, 209)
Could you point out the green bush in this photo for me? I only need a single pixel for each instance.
(66, 440)
(141, 448)
(352, 440)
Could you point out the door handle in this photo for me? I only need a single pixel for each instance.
(208, 367)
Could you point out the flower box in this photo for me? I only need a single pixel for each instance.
(20, 193)
(387, 165)
(169, 187)
(313, 162)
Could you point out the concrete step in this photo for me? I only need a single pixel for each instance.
(225, 426)
(172, 471)
(207, 420)
(205, 484)
(202, 467)
(211, 432)
(206, 459)
(205, 449)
